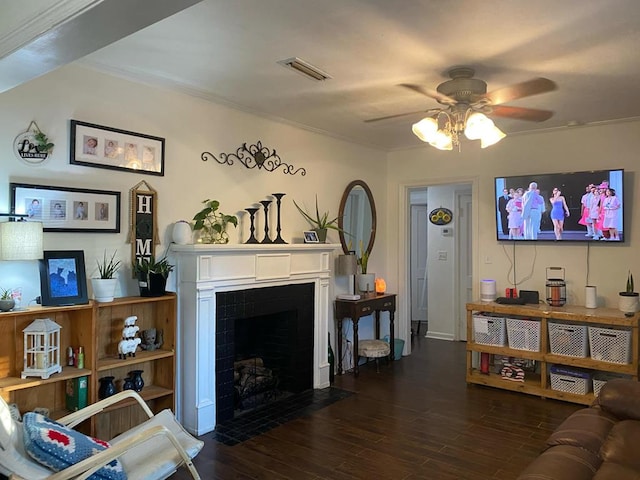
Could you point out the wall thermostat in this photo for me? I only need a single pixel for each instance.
(446, 232)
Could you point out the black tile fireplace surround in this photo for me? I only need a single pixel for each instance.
(276, 323)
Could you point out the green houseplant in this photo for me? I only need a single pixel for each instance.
(320, 223)
(152, 275)
(104, 286)
(628, 300)
(213, 223)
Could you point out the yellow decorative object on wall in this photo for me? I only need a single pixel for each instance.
(441, 216)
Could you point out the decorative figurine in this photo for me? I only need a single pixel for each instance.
(151, 339)
(129, 343)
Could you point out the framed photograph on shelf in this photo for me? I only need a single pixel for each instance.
(62, 278)
(65, 209)
(105, 147)
(311, 236)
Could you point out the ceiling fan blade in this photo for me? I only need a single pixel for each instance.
(397, 115)
(440, 97)
(520, 113)
(520, 90)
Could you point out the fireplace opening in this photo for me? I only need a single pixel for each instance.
(264, 346)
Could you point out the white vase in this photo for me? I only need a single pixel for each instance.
(104, 289)
(628, 303)
(182, 233)
(366, 282)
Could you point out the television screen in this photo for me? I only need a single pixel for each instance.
(572, 206)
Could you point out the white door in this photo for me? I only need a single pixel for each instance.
(465, 281)
(418, 262)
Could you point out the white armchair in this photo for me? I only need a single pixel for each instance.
(153, 450)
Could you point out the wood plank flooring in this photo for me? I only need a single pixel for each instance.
(416, 419)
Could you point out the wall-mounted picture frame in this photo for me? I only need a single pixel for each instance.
(105, 147)
(66, 209)
(311, 236)
(63, 280)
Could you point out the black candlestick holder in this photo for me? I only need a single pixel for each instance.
(252, 212)
(278, 197)
(265, 204)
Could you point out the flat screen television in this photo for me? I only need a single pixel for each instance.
(592, 210)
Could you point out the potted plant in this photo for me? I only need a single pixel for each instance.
(320, 223)
(104, 286)
(213, 223)
(628, 300)
(152, 275)
(366, 281)
(6, 300)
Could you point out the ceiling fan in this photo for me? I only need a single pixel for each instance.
(466, 106)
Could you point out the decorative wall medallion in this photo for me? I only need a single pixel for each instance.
(32, 146)
(143, 233)
(441, 216)
(255, 156)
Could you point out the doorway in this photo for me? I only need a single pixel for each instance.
(440, 260)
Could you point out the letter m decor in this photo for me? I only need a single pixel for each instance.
(143, 232)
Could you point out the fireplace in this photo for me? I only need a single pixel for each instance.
(217, 283)
(272, 326)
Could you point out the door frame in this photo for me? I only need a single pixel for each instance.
(404, 247)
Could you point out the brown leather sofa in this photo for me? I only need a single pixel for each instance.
(597, 443)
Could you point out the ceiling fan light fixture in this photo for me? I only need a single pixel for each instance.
(442, 141)
(477, 125)
(491, 137)
(426, 129)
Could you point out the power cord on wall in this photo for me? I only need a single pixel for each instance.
(512, 268)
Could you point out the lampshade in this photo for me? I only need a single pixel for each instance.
(477, 126)
(425, 129)
(21, 240)
(347, 265)
(492, 137)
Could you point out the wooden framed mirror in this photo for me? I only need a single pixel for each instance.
(357, 217)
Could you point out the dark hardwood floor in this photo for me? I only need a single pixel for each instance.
(416, 419)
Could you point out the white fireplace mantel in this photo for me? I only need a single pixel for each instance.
(202, 271)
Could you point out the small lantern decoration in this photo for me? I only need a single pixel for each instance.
(41, 349)
(381, 286)
(556, 287)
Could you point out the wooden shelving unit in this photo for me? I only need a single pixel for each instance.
(97, 327)
(539, 383)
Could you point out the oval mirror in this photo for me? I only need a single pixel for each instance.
(357, 218)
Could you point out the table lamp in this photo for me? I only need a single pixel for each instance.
(348, 266)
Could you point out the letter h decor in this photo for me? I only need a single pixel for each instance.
(143, 231)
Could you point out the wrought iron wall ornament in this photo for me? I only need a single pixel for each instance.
(255, 156)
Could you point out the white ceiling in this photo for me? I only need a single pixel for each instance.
(227, 51)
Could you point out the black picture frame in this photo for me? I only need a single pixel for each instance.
(66, 209)
(98, 146)
(63, 280)
(311, 236)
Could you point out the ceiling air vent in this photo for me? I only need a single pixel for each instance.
(305, 69)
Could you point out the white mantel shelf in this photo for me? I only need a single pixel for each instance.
(202, 271)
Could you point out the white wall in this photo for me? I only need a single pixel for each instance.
(190, 126)
(571, 149)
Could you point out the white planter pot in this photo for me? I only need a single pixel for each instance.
(628, 303)
(104, 289)
(366, 282)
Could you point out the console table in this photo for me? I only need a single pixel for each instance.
(355, 309)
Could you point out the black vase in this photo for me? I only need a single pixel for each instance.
(152, 285)
(127, 384)
(136, 380)
(107, 387)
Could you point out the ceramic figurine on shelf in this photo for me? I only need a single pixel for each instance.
(129, 343)
(152, 339)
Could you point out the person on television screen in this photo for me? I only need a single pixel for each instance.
(514, 207)
(584, 211)
(504, 213)
(594, 213)
(559, 211)
(611, 207)
(532, 204)
(599, 225)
